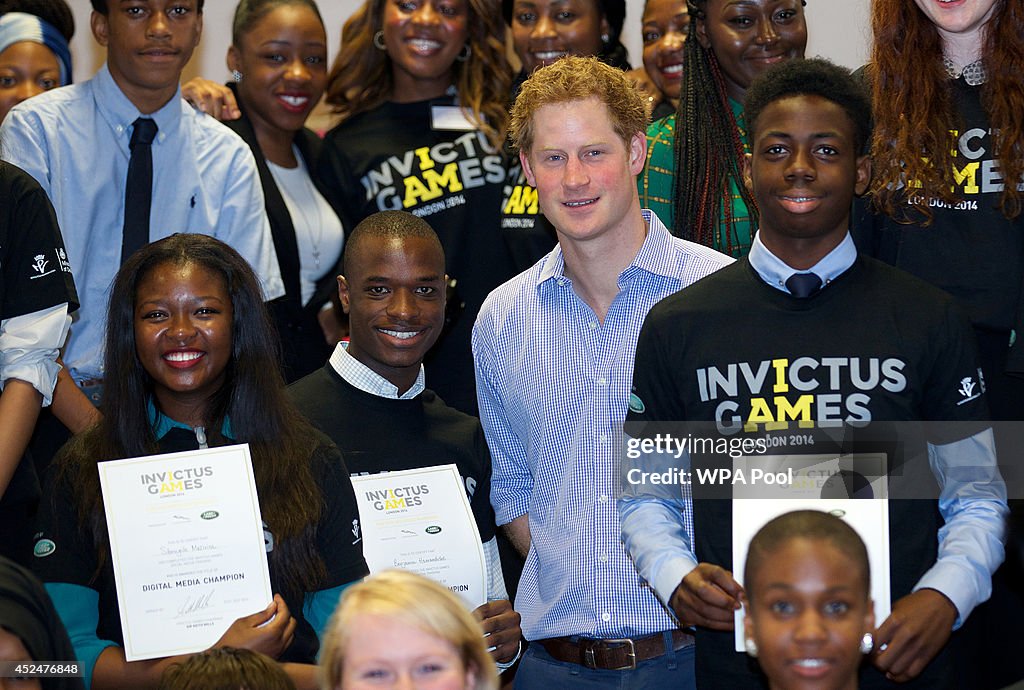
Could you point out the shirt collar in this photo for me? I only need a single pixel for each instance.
(120, 113)
(357, 374)
(775, 271)
(162, 424)
(655, 255)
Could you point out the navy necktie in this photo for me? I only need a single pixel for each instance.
(138, 191)
(803, 284)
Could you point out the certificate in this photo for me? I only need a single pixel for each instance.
(187, 546)
(420, 520)
(852, 487)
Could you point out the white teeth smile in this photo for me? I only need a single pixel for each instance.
(401, 335)
(422, 44)
(295, 100)
(799, 199)
(575, 204)
(672, 69)
(550, 55)
(182, 356)
(809, 663)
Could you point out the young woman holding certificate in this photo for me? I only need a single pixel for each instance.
(192, 362)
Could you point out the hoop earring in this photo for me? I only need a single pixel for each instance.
(751, 647)
(464, 54)
(867, 643)
(236, 75)
(378, 41)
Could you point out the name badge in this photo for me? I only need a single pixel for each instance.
(450, 118)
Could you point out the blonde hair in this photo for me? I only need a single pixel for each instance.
(574, 78)
(416, 602)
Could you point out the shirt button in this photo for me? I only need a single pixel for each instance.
(593, 325)
(603, 498)
(119, 129)
(602, 381)
(561, 281)
(606, 616)
(604, 438)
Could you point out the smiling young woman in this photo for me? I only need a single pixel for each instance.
(665, 27)
(192, 361)
(693, 177)
(809, 615)
(278, 56)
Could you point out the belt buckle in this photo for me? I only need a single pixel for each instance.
(631, 654)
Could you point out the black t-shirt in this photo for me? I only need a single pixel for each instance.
(875, 346)
(970, 250)
(378, 434)
(391, 158)
(530, 235)
(74, 557)
(35, 268)
(34, 275)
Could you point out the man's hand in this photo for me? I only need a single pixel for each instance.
(262, 631)
(915, 631)
(501, 623)
(211, 98)
(707, 596)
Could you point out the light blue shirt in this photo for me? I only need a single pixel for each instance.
(972, 499)
(74, 141)
(775, 272)
(553, 385)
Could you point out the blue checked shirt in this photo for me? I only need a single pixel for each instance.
(553, 384)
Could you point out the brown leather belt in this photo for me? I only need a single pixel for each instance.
(614, 654)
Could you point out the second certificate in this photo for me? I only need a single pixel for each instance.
(420, 520)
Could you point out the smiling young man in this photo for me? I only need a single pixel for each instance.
(371, 400)
(77, 142)
(856, 350)
(554, 351)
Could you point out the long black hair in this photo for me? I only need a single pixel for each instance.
(253, 397)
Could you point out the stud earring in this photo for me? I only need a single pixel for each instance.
(236, 75)
(867, 643)
(378, 41)
(605, 38)
(751, 647)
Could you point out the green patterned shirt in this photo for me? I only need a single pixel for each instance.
(656, 184)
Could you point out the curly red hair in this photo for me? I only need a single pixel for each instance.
(913, 106)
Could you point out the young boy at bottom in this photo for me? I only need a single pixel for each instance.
(829, 339)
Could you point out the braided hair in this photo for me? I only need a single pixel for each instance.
(708, 148)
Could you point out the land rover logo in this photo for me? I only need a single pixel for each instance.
(209, 515)
(44, 548)
(433, 529)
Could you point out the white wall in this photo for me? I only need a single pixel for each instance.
(838, 30)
